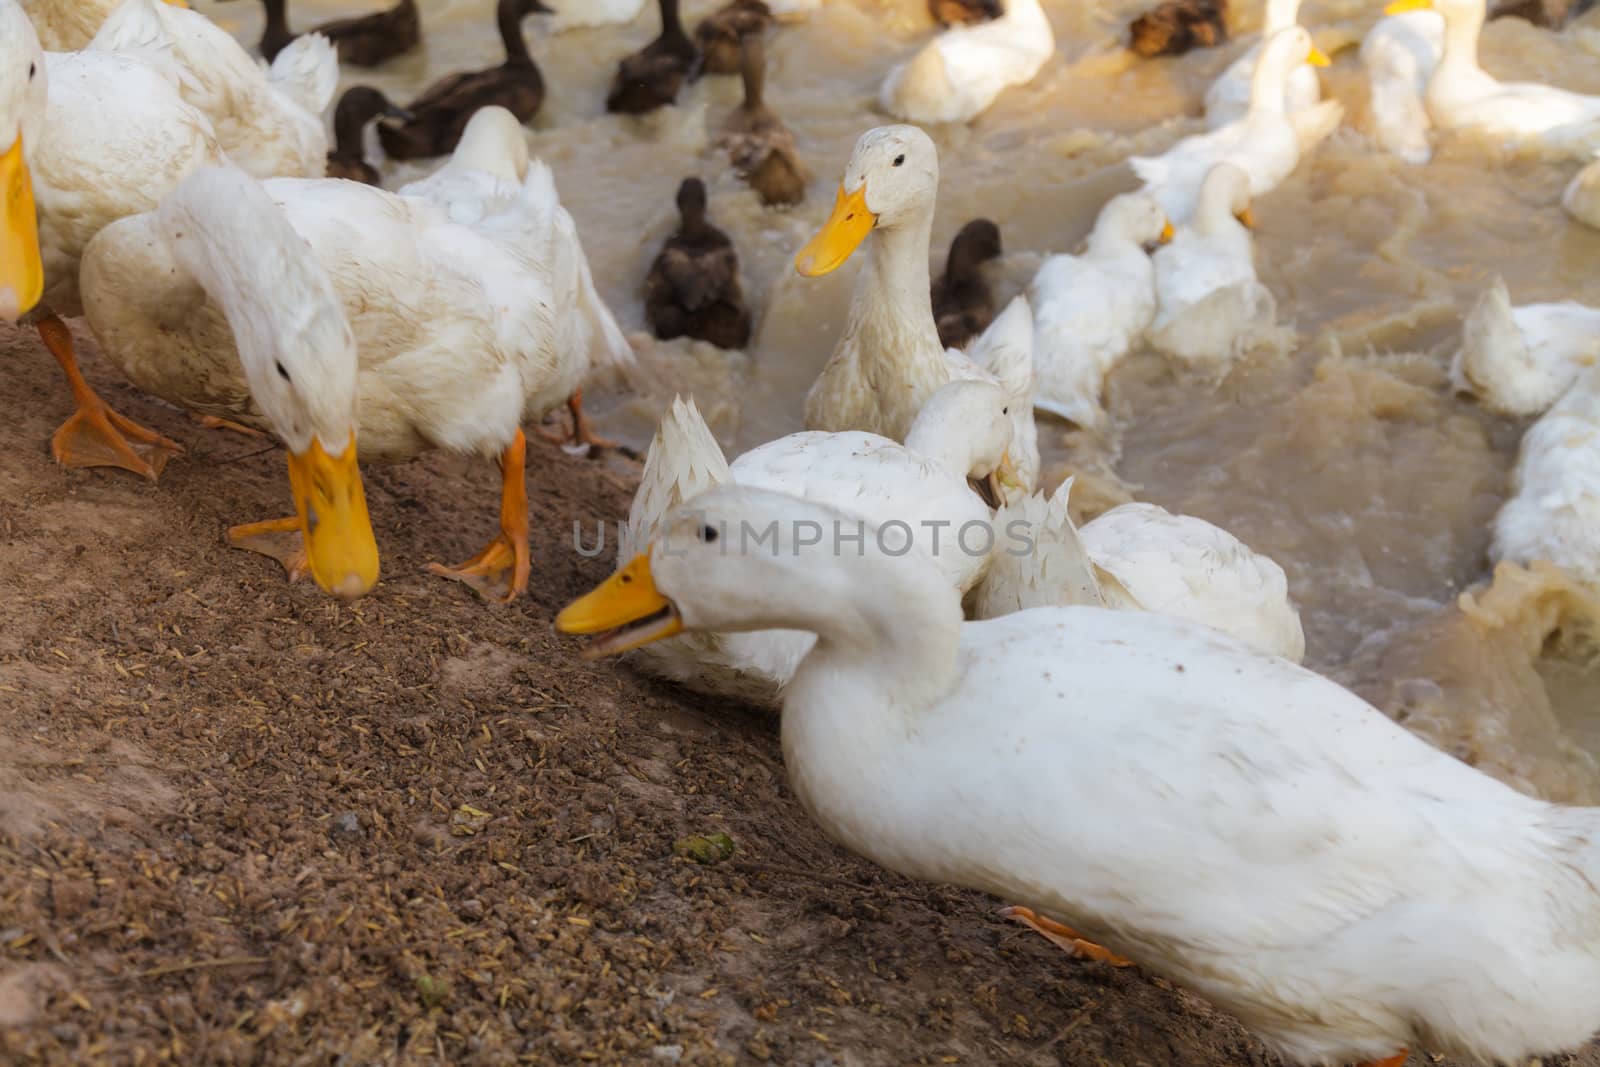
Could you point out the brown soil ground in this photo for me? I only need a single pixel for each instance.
(241, 823)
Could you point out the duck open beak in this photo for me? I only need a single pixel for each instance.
(1318, 58)
(340, 548)
(625, 611)
(21, 270)
(841, 235)
(1400, 7)
(991, 488)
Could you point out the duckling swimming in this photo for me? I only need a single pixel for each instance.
(363, 41)
(359, 105)
(442, 112)
(1177, 26)
(760, 146)
(693, 286)
(963, 306)
(651, 77)
(720, 32)
(964, 12)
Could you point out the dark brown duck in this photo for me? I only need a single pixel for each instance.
(1177, 26)
(720, 32)
(693, 286)
(364, 41)
(963, 306)
(651, 77)
(759, 145)
(442, 112)
(359, 105)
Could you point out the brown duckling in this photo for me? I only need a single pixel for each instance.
(1176, 26)
(964, 12)
(719, 33)
(760, 146)
(365, 41)
(651, 77)
(962, 304)
(444, 109)
(359, 105)
(693, 287)
(1550, 14)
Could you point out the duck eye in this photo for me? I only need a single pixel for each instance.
(899, 159)
(32, 70)
(283, 372)
(1005, 411)
(708, 534)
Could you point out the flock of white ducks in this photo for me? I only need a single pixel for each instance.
(1274, 844)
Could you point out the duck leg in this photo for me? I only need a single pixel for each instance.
(582, 429)
(278, 538)
(1397, 1060)
(96, 436)
(501, 570)
(1067, 938)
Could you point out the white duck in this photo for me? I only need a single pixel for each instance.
(69, 25)
(922, 486)
(579, 14)
(256, 291)
(1266, 143)
(1140, 557)
(958, 74)
(1554, 510)
(1209, 304)
(1581, 198)
(463, 333)
(889, 360)
(1400, 53)
(1089, 310)
(1519, 360)
(268, 120)
(1462, 95)
(1228, 98)
(1279, 847)
(108, 138)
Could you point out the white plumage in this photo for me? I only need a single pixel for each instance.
(958, 74)
(1228, 98)
(1089, 310)
(1519, 360)
(1400, 53)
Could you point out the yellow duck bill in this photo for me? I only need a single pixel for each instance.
(332, 507)
(21, 269)
(841, 235)
(624, 611)
(1400, 7)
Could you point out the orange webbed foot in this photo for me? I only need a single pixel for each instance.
(500, 572)
(278, 538)
(216, 422)
(1064, 937)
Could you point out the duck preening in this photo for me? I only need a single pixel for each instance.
(362, 41)
(359, 105)
(759, 145)
(963, 307)
(651, 77)
(442, 112)
(693, 287)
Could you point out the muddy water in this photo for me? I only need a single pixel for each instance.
(1343, 455)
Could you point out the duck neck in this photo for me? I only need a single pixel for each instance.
(670, 25)
(1461, 32)
(891, 305)
(276, 34)
(1267, 92)
(888, 639)
(941, 440)
(509, 18)
(1281, 14)
(753, 69)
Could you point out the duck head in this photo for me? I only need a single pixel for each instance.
(892, 178)
(965, 426)
(298, 353)
(22, 105)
